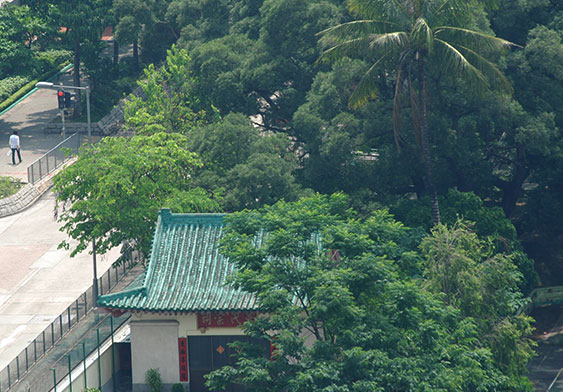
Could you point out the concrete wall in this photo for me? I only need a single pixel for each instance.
(154, 345)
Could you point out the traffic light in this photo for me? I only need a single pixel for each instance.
(61, 98)
(68, 99)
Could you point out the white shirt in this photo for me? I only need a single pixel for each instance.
(14, 141)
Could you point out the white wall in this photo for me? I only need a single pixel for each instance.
(154, 345)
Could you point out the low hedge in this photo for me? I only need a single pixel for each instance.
(9, 186)
(29, 86)
(10, 85)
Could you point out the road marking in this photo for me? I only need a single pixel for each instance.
(554, 380)
(12, 338)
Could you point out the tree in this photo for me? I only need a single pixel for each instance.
(247, 167)
(132, 17)
(167, 104)
(411, 37)
(19, 27)
(114, 191)
(484, 286)
(337, 311)
(81, 22)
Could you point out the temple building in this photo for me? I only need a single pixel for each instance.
(184, 315)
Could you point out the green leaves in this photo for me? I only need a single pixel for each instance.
(167, 105)
(116, 188)
(483, 287)
(339, 316)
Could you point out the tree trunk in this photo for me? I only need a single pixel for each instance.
(115, 52)
(512, 190)
(77, 105)
(136, 55)
(426, 154)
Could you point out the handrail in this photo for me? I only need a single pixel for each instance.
(53, 159)
(546, 296)
(59, 327)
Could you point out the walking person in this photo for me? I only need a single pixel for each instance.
(15, 146)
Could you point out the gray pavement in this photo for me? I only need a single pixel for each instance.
(28, 118)
(37, 280)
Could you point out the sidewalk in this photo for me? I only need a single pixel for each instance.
(28, 118)
(38, 281)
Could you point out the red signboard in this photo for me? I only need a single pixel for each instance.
(183, 356)
(223, 320)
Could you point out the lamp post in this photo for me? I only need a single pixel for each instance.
(53, 86)
(95, 280)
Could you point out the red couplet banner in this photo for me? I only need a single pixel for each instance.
(223, 320)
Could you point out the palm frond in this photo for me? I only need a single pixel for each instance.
(455, 62)
(367, 87)
(492, 69)
(389, 41)
(422, 34)
(476, 37)
(456, 10)
(357, 28)
(349, 48)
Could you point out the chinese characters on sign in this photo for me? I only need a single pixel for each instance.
(183, 356)
(223, 320)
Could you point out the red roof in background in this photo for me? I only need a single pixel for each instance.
(107, 35)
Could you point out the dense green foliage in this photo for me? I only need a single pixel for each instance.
(23, 55)
(118, 183)
(241, 112)
(343, 315)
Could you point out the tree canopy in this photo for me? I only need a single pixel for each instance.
(342, 315)
(114, 191)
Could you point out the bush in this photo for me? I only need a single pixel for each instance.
(28, 87)
(47, 60)
(153, 380)
(10, 85)
(178, 388)
(9, 186)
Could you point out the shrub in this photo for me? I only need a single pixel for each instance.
(153, 380)
(178, 388)
(9, 186)
(10, 85)
(49, 59)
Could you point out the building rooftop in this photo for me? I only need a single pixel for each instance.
(186, 272)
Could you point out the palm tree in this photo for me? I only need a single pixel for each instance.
(405, 37)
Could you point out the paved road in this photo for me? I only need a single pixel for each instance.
(546, 368)
(37, 281)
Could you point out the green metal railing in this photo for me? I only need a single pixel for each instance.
(52, 337)
(546, 296)
(54, 158)
(77, 355)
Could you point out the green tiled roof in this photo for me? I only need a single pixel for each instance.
(186, 273)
